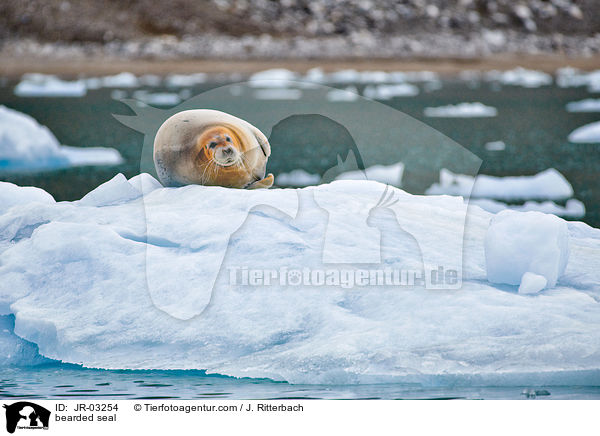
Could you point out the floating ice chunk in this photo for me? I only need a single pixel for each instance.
(274, 78)
(587, 105)
(121, 80)
(572, 209)
(386, 92)
(150, 80)
(349, 93)
(571, 77)
(590, 133)
(315, 75)
(277, 94)
(297, 178)
(145, 183)
(495, 146)
(42, 85)
(388, 174)
(116, 190)
(521, 77)
(27, 145)
(461, 110)
(11, 195)
(78, 285)
(185, 80)
(532, 283)
(158, 98)
(521, 242)
(546, 185)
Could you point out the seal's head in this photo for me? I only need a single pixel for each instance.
(209, 147)
(221, 146)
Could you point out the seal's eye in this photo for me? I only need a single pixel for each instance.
(228, 139)
(213, 144)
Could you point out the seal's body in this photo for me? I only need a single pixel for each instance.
(208, 147)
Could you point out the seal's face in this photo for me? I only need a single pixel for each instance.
(221, 146)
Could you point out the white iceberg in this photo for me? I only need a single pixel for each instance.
(297, 178)
(461, 110)
(388, 174)
(586, 105)
(27, 145)
(573, 208)
(387, 92)
(75, 276)
(590, 133)
(43, 85)
(546, 185)
(520, 77)
(517, 243)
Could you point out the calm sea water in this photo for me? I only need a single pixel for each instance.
(72, 382)
(532, 122)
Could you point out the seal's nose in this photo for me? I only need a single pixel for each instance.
(227, 151)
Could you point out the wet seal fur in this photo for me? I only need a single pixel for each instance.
(209, 147)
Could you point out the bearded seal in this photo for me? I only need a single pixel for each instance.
(209, 147)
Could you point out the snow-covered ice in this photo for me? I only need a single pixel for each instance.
(387, 92)
(27, 145)
(297, 178)
(461, 110)
(521, 242)
(43, 85)
(546, 185)
(83, 282)
(590, 133)
(586, 105)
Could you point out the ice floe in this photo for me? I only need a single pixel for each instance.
(387, 92)
(546, 185)
(520, 77)
(97, 282)
(587, 105)
(297, 178)
(43, 85)
(495, 146)
(27, 145)
(590, 133)
(573, 208)
(461, 110)
(572, 77)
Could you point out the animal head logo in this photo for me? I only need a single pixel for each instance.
(337, 140)
(27, 415)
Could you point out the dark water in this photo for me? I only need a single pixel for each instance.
(532, 122)
(60, 382)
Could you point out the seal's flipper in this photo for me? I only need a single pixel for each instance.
(266, 183)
